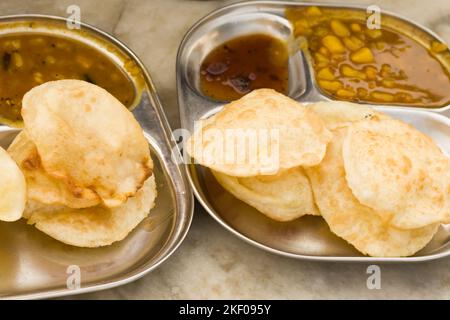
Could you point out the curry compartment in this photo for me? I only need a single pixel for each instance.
(34, 51)
(33, 265)
(354, 61)
(309, 237)
(331, 55)
(257, 40)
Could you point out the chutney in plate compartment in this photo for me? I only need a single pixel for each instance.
(30, 59)
(243, 64)
(385, 65)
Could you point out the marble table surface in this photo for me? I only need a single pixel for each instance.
(212, 263)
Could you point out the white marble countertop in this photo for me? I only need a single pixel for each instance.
(212, 263)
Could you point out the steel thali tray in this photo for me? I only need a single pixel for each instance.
(33, 265)
(308, 237)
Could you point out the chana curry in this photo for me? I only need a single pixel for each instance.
(243, 64)
(355, 63)
(28, 60)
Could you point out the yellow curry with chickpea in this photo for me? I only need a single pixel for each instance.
(28, 60)
(353, 62)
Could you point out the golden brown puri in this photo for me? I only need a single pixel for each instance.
(86, 163)
(381, 184)
(282, 197)
(43, 187)
(399, 172)
(95, 226)
(358, 224)
(340, 113)
(12, 189)
(96, 143)
(295, 136)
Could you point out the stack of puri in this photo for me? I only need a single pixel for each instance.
(378, 182)
(280, 189)
(86, 164)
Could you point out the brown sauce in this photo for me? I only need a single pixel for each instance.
(244, 64)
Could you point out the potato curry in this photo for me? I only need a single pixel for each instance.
(355, 63)
(29, 59)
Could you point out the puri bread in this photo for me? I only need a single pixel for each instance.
(262, 133)
(95, 226)
(42, 187)
(341, 113)
(399, 172)
(87, 138)
(356, 223)
(282, 197)
(12, 189)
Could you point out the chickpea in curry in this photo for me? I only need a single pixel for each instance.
(28, 60)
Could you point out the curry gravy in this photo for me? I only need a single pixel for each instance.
(27, 60)
(243, 64)
(352, 62)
